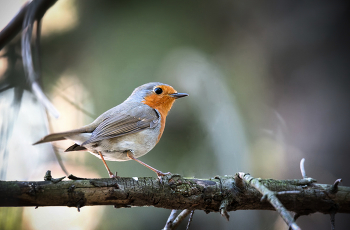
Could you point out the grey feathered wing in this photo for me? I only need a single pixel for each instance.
(113, 123)
(126, 122)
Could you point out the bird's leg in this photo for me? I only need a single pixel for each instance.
(111, 175)
(130, 154)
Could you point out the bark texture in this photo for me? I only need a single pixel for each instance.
(176, 192)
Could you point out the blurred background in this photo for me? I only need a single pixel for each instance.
(268, 83)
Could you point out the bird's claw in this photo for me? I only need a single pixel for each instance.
(111, 175)
(161, 174)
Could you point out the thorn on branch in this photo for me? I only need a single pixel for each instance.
(56, 180)
(309, 180)
(239, 181)
(223, 209)
(48, 177)
(334, 188)
(72, 177)
(302, 168)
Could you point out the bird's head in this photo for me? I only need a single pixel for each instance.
(157, 95)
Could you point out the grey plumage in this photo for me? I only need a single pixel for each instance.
(127, 131)
(126, 118)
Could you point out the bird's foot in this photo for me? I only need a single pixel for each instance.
(161, 174)
(111, 175)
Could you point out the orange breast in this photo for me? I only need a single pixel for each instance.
(162, 103)
(163, 109)
(162, 126)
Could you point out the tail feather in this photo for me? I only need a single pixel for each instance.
(62, 136)
(52, 137)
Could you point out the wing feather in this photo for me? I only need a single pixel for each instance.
(126, 122)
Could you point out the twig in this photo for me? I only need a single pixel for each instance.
(296, 216)
(303, 172)
(332, 214)
(271, 197)
(170, 220)
(302, 168)
(334, 188)
(48, 177)
(181, 217)
(223, 209)
(190, 220)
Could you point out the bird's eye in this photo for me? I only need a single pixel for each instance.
(158, 90)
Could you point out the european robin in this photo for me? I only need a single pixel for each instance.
(127, 131)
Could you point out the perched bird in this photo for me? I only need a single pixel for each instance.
(127, 131)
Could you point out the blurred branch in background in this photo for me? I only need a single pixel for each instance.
(15, 25)
(25, 19)
(32, 72)
(9, 108)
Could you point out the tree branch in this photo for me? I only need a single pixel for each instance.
(175, 192)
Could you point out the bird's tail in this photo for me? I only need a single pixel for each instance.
(60, 136)
(52, 137)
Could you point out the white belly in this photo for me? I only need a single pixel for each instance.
(115, 149)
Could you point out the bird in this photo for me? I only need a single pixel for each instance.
(126, 131)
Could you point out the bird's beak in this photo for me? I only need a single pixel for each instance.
(178, 95)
